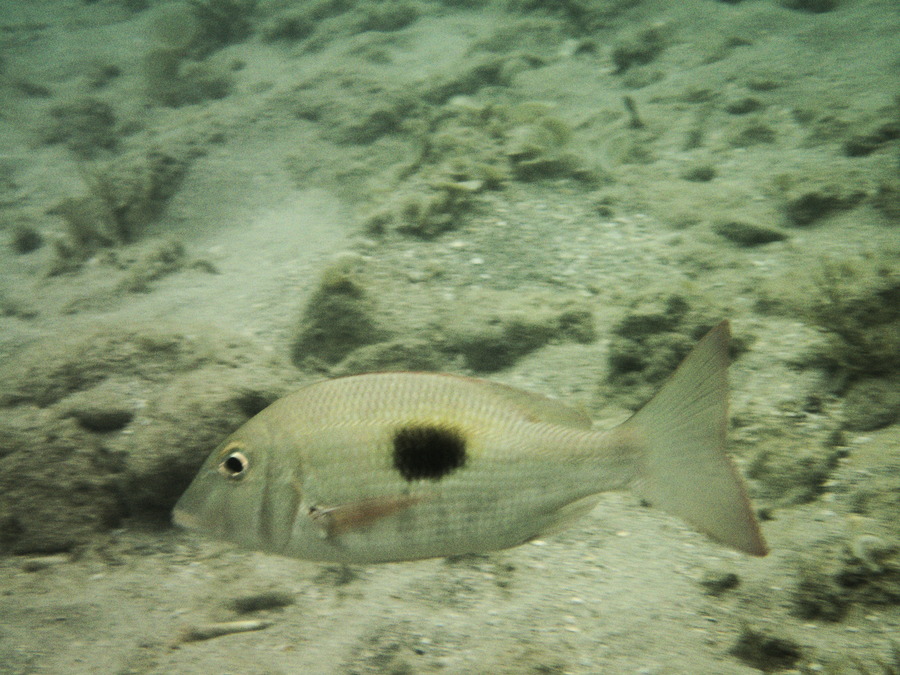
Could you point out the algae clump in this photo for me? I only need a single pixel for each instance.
(176, 69)
(467, 148)
(123, 197)
(855, 303)
(858, 305)
(339, 317)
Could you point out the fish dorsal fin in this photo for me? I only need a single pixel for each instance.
(539, 408)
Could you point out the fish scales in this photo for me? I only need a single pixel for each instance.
(363, 416)
(400, 466)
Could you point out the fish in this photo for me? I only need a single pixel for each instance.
(398, 466)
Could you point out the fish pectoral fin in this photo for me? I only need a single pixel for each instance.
(336, 520)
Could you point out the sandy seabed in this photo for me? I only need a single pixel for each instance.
(179, 180)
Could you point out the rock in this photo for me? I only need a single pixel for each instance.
(833, 576)
(862, 145)
(401, 354)
(641, 49)
(787, 472)
(186, 420)
(817, 596)
(25, 239)
(812, 6)
(754, 132)
(123, 198)
(764, 652)
(748, 234)
(887, 198)
(649, 342)
(259, 602)
(85, 125)
(493, 331)
(872, 403)
(743, 106)
(59, 486)
(655, 315)
(101, 409)
(700, 173)
(717, 582)
(58, 367)
(815, 203)
(157, 261)
(70, 469)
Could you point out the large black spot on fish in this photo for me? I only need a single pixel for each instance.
(428, 451)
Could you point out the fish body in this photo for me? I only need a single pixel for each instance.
(401, 466)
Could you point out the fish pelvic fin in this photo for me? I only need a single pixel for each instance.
(684, 469)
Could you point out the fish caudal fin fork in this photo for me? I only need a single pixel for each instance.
(685, 470)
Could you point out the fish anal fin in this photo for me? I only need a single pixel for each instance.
(337, 520)
(565, 516)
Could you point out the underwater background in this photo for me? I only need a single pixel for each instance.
(206, 204)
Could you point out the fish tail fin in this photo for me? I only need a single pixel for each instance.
(681, 434)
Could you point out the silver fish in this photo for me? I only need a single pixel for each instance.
(401, 466)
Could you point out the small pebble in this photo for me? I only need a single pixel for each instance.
(207, 631)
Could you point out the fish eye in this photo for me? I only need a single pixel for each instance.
(234, 465)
